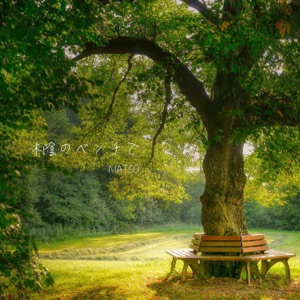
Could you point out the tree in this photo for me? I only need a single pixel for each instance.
(30, 81)
(234, 61)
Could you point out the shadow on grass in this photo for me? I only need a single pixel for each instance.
(272, 289)
(97, 293)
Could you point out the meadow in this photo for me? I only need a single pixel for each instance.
(135, 266)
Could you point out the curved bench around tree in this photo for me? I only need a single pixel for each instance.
(244, 249)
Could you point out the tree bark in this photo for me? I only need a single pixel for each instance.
(222, 201)
(223, 166)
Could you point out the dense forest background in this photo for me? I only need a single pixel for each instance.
(79, 203)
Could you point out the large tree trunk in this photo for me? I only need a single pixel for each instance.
(222, 201)
(223, 165)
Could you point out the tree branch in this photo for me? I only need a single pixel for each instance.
(189, 85)
(103, 122)
(164, 113)
(105, 2)
(110, 110)
(202, 8)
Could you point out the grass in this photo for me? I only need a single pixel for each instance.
(135, 266)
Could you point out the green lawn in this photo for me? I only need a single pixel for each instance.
(134, 266)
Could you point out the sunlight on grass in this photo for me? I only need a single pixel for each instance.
(102, 241)
(135, 266)
(112, 240)
(113, 279)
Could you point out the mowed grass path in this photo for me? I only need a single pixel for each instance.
(135, 266)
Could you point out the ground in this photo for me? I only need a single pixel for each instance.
(135, 266)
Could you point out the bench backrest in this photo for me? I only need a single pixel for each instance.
(196, 241)
(253, 243)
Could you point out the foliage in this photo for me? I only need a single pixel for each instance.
(115, 131)
(274, 216)
(19, 264)
(278, 150)
(273, 167)
(235, 62)
(60, 207)
(35, 74)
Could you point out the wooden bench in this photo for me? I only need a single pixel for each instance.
(244, 249)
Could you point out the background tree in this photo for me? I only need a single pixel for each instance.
(35, 74)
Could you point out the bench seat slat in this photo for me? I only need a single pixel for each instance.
(252, 237)
(220, 244)
(255, 249)
(254, 243)
(224, 258)
(183, 254)
(271, 254)
(220, 249)
(220, 238)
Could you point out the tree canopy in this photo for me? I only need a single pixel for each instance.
(227, 70)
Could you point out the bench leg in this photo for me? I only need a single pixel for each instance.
(184, 269)
(173, 265)
(193, 265)
(194, 269)
(242, 269)
(287, 268)
(245, 265)
(248, 273)
(266, 266)
(202, 269)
